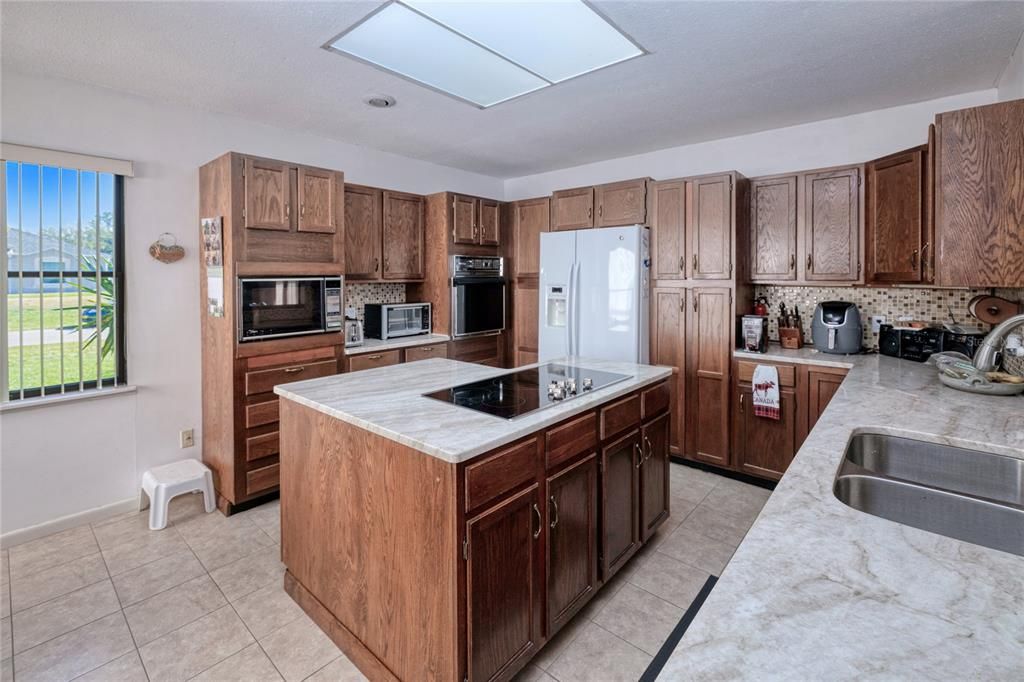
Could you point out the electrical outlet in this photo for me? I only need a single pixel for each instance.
(186, 438)
(876, 322)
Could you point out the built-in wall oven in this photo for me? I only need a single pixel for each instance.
(478, 295)
(271, 307)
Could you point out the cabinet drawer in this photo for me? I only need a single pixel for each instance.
(570, 439)
(262, 413)
(263, 445)
(371, 360)
(438, 350)
(787, 373)
(655, 399)
(620, 415)
(500, 472)
(263, 478)
(264, 380)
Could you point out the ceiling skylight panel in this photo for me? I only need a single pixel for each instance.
(400, 40)
(556, 39)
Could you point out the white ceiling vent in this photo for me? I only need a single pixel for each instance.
(486, 52)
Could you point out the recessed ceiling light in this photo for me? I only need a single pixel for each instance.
(486, 52)
(381, 101)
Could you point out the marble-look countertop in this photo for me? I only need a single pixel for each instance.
(389, 401)
(377, 345)
(818, 590)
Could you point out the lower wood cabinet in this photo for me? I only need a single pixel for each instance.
(371, 360)
(572, 540)
(709, 344)
(822, 384)
(503, 608)
(654, 476)
(620, 490)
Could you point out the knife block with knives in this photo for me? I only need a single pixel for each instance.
(791, 330)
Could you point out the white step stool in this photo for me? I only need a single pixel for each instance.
(170, 480)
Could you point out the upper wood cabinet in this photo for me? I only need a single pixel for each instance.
(979, 196)
(572, 209)
(364, 219)
(525, 301)
(773, 234)
(403, 236)
(490, 222)
(530, 217)
(709, 345)
(384, 234)
(895, 239)
(268, 195)
(475, 221)
(621, 203)
(317, 195)
(832, 216)
(710, 227)
(668, 238)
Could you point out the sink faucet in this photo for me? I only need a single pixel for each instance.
(987, 357)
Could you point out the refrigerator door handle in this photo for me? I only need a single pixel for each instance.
(569, 323)
(576, 310)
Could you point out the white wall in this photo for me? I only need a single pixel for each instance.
(1011, 82)
(850, 139)
(61, 460)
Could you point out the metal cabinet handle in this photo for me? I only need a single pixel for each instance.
(640, 451)
(554, 505)
(600, 210)
(682, 303)
(374, 357)
(913, 259)
(590, 212)
(387, 265)
(287, 210)
(810, 263)
(694, 263)
(694, 302)
(540, 522)
(650, 448)
(682, 263)
(427, 349)
(742, 396)
(302, 210)
(792, 261)
(376, 264)
(293, 370)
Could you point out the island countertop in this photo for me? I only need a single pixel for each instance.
(818, 590)
(389, 401)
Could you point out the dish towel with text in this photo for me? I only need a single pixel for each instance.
(766, 391)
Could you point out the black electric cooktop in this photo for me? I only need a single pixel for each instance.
(527, 390)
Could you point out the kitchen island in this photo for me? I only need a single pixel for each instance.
(432, 541)
(819, 590)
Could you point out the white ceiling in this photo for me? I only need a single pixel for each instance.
(716, 69)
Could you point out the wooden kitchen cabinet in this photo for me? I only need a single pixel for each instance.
(832, 217)
(895, 236)
(403, 236)
(317, 194)
(490, 222)
(571, 540)
(464, 219)
(709, 344)
(621, 203)
(530, 218)
(710, 227)
(267, 188)
(363, 361)
(773, 232)
(434, 350)
(503, 567)
(654, 476)
(668, 236)
(668, 347)
(572, 209)
(822, 385)
(620, 489)
(364, 219)
(979, 196)
(525, 303)
(764, 447)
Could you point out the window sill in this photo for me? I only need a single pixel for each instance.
(91, 394)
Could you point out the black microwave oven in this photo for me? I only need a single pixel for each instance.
(272, 307)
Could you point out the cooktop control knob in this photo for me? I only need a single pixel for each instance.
(588, 383)
(570, 386)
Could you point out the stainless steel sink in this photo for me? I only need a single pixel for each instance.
(965, 494)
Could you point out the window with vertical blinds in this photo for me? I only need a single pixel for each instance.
(63, 321)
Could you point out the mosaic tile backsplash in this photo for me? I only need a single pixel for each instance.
(928, 305)
(358, 294)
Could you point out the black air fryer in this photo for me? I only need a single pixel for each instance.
(836, 328)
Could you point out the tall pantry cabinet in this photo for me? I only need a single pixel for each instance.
(698, 247)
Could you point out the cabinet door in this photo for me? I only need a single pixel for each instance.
(363, 221)
(765, 447)
(654, 481)
(773, 229)
(707, 388)
(572, 209)
(821, 386)
(668, 347)
(464, 219)
(979, 196)
(268, 191)
(669, 229)
(503, 606)
(894, 224)
(532, 217)
(620, 489)
(832, 225)
(317, 194)
(525, 302)
(621, 203)
(490, 223)
(710, 228)
(572, 540)
(403, 236)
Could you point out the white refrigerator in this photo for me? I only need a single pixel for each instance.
(595, 294)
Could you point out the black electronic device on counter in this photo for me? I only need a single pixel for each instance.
(910, 344)
(965, 342)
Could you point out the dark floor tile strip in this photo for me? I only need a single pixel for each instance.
(659, 661)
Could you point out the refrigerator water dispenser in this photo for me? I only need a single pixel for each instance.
(557, 306)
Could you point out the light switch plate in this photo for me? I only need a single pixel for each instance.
(876, 322)
(186, 438)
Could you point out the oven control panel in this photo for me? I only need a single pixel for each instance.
(334, 299)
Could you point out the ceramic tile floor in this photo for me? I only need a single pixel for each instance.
(203, 599)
